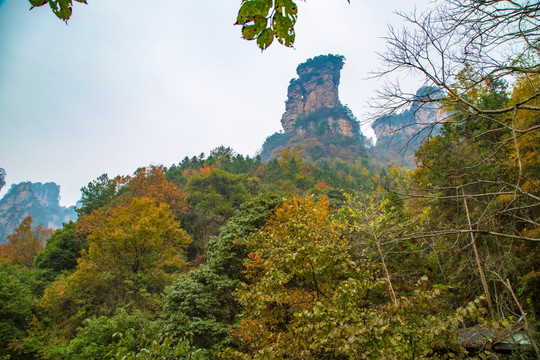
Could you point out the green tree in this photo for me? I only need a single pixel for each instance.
(62, 250)
(98, 194)
(19, 289)
(201, 305)
(214, 195)
(126, 336)
(16, 310)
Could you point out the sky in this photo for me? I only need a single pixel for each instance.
(127, 84)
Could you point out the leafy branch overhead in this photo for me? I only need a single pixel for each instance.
(264, 20)
(61, 8)
(261, 20)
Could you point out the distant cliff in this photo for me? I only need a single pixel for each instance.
(315, 122)
(40, 201)
(399, 135)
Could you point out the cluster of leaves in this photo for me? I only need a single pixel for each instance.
(61, 8)
(261, 20)
(264, 20)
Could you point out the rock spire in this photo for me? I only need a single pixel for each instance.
(315, 122)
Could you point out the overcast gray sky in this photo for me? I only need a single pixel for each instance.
(132, 83)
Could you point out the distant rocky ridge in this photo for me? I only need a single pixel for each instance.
(315, 122)
(40, 201)
(400, 135)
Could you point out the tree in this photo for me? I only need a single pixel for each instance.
(303, 292)
(150, 182)
(25, 244)
(63, 249)
(139, 239)
(377, 223)
(495, 38)
(126, 336)
(465, 51)
(98, 338)
(132, 256)
(306, 296)
(214, 195)
(202, 304)
(98, 194)
(16, 310)
(474, 178)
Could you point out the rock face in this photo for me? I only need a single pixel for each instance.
(315, 122)
(316, 88)
(399, 135)
(40, 201)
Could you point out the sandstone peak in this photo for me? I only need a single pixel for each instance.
(315, 88)
(315, 122)
(399, 135)
(41, 201)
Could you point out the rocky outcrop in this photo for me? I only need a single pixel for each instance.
(40, 201)
(316, 88)
(399, 135)
(315, 122)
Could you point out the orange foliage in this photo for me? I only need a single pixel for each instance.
(25, 244)
(321, 185)
(207, 169)
(254, 267)
(151, 183)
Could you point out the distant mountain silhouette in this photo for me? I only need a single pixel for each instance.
(400, 135)
(40, 201)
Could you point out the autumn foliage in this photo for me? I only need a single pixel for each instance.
(25, 244)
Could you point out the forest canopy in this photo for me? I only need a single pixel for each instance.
(229, 257)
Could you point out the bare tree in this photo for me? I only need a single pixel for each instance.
(497, 38)
(482, 174)
(465, 48)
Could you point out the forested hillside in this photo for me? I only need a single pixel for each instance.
(226, 256)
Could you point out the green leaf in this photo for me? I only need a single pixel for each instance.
(283, 29)
(36, 3)
(252, 8)
(290, 7)
(249, 32)
(61, 8)
(264, 40)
